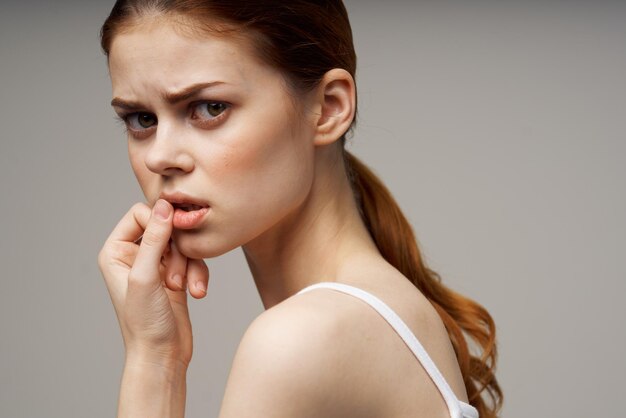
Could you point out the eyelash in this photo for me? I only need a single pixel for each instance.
(205, 123)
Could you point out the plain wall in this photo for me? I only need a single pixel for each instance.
(498, 126)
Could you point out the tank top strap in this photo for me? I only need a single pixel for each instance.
(457, 408)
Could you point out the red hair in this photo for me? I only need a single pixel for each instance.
(461, 316)
(304, 39)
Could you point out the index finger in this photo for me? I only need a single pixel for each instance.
(133, 224)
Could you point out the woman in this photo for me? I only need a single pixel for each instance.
(237, 113)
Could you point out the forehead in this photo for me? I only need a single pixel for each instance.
(156, 54)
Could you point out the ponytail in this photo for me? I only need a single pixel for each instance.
(461, 316)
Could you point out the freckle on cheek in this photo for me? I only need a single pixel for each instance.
(243, 156)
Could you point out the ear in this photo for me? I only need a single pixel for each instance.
(337, 100)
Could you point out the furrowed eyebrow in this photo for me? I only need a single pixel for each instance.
(126, 104)
(187, 92)
(170, 97)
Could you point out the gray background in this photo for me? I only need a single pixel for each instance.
(498, 125)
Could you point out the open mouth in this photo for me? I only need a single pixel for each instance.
(187, 207)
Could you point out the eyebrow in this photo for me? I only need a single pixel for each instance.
(170, 97)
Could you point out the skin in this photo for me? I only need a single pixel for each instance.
(271, 169)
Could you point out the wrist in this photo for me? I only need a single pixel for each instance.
(168, 366)
(150, 357)
(152, 387)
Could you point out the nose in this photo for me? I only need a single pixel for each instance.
(167, 154)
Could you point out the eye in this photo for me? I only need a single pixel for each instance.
(140, 121)
(208, 111)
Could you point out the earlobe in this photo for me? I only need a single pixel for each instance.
(337, 97)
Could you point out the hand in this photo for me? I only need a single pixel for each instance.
(151, 306)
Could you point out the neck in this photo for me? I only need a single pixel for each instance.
(315, 243)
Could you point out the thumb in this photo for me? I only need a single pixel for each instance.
(153, 243)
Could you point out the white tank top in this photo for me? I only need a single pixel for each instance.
(457, 408)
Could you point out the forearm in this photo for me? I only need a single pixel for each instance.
(152, 389)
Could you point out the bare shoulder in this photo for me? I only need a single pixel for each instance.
(295, 360)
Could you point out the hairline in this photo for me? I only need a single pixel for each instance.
(190, 27)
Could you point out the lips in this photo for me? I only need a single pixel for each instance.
(189, 219)
(187, 207)
(184, 201)
(189, 211)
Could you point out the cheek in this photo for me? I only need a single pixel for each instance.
(269, 169)
(275, 164)
(142, 174)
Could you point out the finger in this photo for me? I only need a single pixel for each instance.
(132, 224)
(153, 244)
(176, 268)
(178, 301)
(197, 277)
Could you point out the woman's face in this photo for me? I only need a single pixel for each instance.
(206, 118)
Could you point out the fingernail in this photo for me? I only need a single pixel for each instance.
(162, 209)
(178, 280)
(201, 287)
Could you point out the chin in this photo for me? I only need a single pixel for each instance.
(197, 247)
